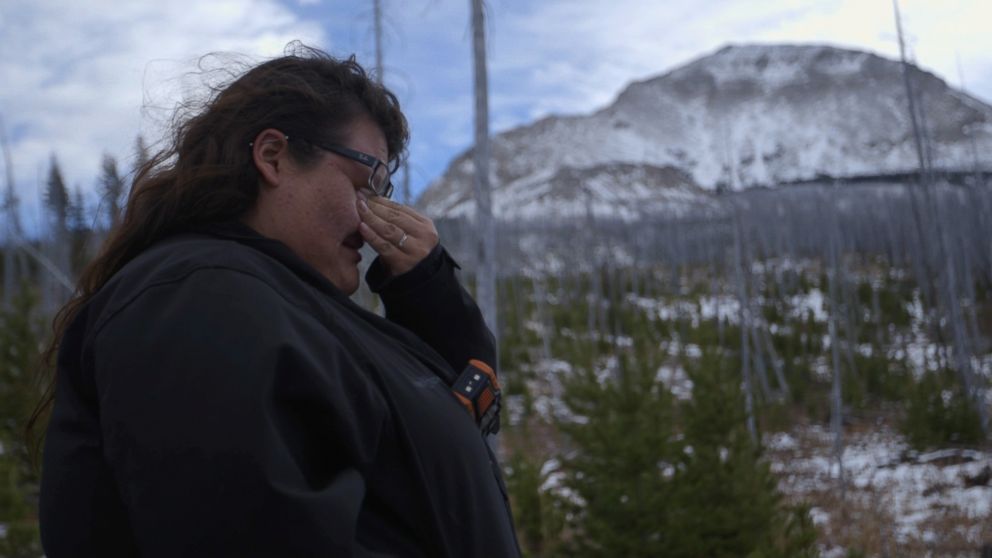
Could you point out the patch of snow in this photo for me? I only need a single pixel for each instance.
(819, 516)
(554, 366)
(722, 307)
(916, 489)
(550, 466)
(781, 441)
(676, 380)
(809, 302)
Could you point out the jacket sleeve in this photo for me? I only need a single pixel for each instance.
(429, 301)
(234, 425)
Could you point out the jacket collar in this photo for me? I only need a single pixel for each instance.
(247, 236)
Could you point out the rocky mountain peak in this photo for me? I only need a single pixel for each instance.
(746, 115)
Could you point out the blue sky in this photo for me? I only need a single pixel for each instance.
(82, 78)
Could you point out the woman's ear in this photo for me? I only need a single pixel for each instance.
(270, 152)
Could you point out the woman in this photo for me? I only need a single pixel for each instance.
(218, 393)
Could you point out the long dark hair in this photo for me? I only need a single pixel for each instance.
(206, 173)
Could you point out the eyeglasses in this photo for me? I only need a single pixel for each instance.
(379, 181)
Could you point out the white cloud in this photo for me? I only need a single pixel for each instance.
(77, 75)
(573, 57)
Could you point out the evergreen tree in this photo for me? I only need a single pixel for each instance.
(112, 187)
(58, 249)
(79, 231)
(76, 214)
(141, 153)
(142, 157)
(939, 413)
(11, 233)
(57, 197)
(621, 464)
(727, 502)
(19, 360)
(537, 514)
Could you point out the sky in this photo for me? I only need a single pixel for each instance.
(83, 78)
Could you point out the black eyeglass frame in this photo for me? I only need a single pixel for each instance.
(367, 160)
(363, 158)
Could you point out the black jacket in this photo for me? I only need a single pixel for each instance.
(219, 397)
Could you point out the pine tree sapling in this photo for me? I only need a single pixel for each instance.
(57, 197)
(621, 466)
(19, 359)
(537, 513)
(727, 501)
(112, 190)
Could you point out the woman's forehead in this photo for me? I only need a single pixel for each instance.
(366, 136)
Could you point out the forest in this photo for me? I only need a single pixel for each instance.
(778, 372)
(692, 364)
(665, 376)
(790, 371)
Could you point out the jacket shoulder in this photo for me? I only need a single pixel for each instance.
(194, 261)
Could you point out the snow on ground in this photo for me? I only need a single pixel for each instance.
(809, 302)
(661, 309)
(723, 307)
(676, 380)
(726, 307)
(915, 496)
(932, 500)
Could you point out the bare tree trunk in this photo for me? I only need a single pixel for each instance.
(405, 189)
(486, 271)
(848, 300)
(594, 316)
(485, 279)
(837, 409)
(377, 15)
(744, 310)
(759, 359)
(783, 385)
(880, 327)
(547, 328)
(972, 385)
(947, 285)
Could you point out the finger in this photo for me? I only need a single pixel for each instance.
(395, 260)
(383, 228)
(379, 200)
(422, 228)
(420, 236)
(394, 215)
(391, 215)
(381, 245)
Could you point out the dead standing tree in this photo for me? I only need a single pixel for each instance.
(947, 275)
(485, 279)
(745, 320)
(836, 392)
(377, 27)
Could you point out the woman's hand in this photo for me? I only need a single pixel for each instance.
(401, 236)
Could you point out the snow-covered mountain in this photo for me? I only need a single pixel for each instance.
(751, 115)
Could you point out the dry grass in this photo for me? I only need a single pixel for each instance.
(885, 509)
(893, 505)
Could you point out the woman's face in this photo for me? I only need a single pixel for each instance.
(314, 208)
